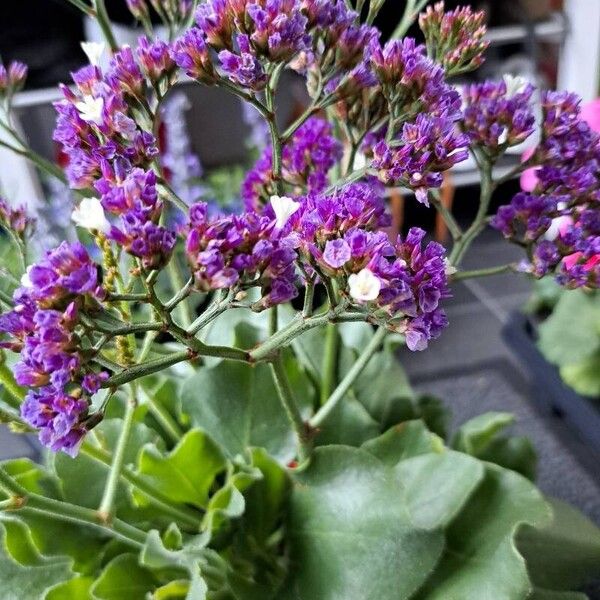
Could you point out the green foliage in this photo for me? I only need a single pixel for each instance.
(383, 509)
(570, 339)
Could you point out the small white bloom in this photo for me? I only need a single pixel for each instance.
(25, 281)
(364, 286)
(284, 208)
(503, 137)
(90, 215)
(90, 109)
(94, 51)
(514, 85)
(360, 161)
(449, 268)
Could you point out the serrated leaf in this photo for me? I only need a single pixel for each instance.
(481, 557)
(123, 579)
(351, 533)
(187, 473)
(474, 436)
(565, 554)
(403, 441)
(572, 332)
(238, 406)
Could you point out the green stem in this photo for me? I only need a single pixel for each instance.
(104, 23)
(349, 379)
(211, 313)
(106, 509)
(487, 188)
(461, 275)
(178, 284)
(309, 295)
(329, 361)
(64, 511)
(448, 217)
(182, 513)
(167, 191)
(164, 417)
(291, 408)
(413, 8)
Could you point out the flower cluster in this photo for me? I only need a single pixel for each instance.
(428, 142)
(340, 236)
(132, 195)
(12, 79)
(559, 220)
(454, 39)
(94, 124)
(241, 251)
(42, 327)
(15, 219)
(498, 115)
(306, 161)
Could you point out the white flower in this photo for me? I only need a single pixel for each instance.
(514, 85)
(284, 208)
(360, 161)
(90, 215)
(449, 268)
(25, 281)
(90, 109)
(364, 286)
(94, 51)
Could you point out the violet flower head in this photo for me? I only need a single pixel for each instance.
(138, 8)
(191, 53)
(215, 21)
(15, 219)
(241, 250)
(499, 114)
(242, 67)
(154, 58)
(125, 73)
(12, 79)
(424, 150)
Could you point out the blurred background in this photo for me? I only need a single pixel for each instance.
(499, 352)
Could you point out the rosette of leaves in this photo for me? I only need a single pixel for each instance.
(209, 505)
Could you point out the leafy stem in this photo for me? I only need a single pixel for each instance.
(497, 270)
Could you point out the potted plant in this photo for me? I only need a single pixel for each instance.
(219, 397)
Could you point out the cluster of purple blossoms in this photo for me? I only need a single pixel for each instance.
(15, 219)
(430, 143)
(559, 220)
(339, 234)
(454, 39)
(241, 251)
(244, 35)
(132, 195)
(154, 58)
(42, 327)
(12, 79)
(499, 114)
(306, 160)
(94, 124)
(425, 148)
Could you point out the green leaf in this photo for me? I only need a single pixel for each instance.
(174, 590)
(566, 553)
(516, 453)
(572, 332)
(584, 376)
(187, 473)
(20, 582)
(237, 404)
(474, 436)
(480, 556)
(352, 534)
(74, 589)
(123, 579)
(402, 441)
(433, 413)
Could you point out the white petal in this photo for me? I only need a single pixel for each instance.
(449, 268)
(94, 51)
(90, 109)
(284, 208)
(514, 85)
(90, 215)
(25, 281)
(364, 286)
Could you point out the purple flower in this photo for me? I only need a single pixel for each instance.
(337, 253)
(15, 219)
(12, 79)
(154, 58)
(191, 53)
(242, 67)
